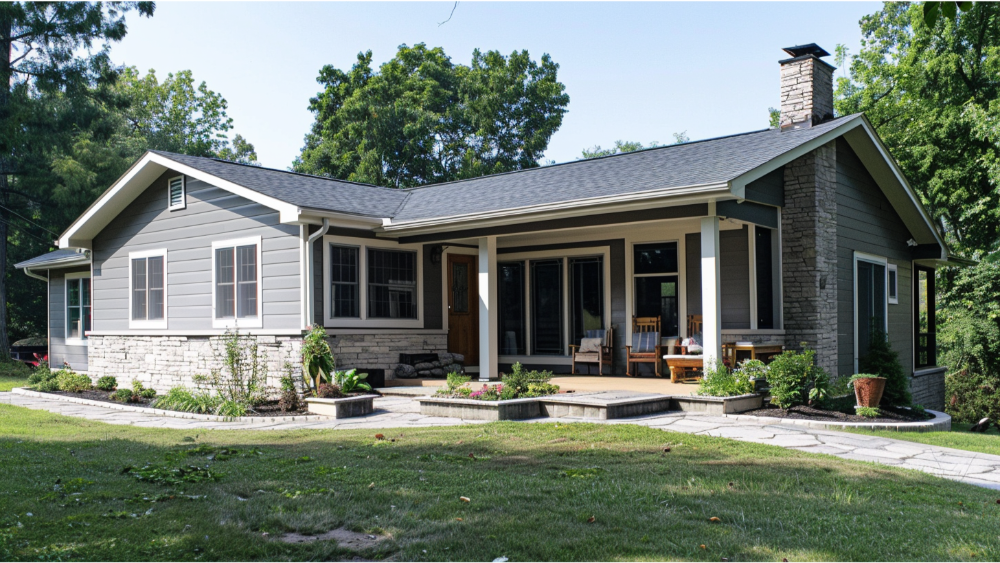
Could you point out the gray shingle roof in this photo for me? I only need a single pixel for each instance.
(689, 164)
(61, 257)
(300, 189)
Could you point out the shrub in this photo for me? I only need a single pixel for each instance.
(721, 382)
(350, 381)
(14, 368)
(289, 401)
(107, 383)
(244, 370)
(43, 379)
(883, 361)
(147, 393)
(541, 390)
(123, 395)
(456, 380)
(183, 399)
(488, 393)
(317, 358)
(793, 376)
(231, 408)
(72, 382)
(867, 412)
(519, 379)
(329, 391)
(970, 346)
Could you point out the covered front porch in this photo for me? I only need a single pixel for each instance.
(532, 295)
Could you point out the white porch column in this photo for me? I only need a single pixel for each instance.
(488, 309)
(711, 308)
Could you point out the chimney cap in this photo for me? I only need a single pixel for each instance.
(809, 49)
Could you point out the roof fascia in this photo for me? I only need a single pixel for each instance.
(312, 216)
(114, 200)
(739, 184)
(581, 207)
(63, 263)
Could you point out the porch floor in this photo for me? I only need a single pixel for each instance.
(583, 383)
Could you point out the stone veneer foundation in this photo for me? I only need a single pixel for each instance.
(382, 350)
(162, 362)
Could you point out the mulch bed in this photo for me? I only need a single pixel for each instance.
(803, 412)
(269, 408)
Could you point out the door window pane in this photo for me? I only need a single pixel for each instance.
(656, 296)
(511, 302)
(658, 258)
(546, 307)
(392, 284)
(587, 295)
(344, 280)
(765, 279)
(460, 286)
(871, 295)
(926, 340)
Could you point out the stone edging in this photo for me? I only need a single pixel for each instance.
(163, 412)
(940, 423)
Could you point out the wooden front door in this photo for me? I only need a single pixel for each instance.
(463, 307)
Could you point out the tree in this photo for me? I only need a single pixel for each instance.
(931, 92)
(630, 146)
(421, 119)
(44, 47)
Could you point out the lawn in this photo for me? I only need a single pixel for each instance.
(959, 438)
(72, 490)
(8, 382)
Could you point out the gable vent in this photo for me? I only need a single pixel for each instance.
(176, 193)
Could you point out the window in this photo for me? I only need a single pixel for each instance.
(392, 284)
(344, 296)
(893, 285)
(77, 306)
(236, 284)
(176, 197)
(655, 273)
(547, 307)
(925, 326)
(766, 274)
(148, 289)
(511, 303)
(870, 302)
(586, 295)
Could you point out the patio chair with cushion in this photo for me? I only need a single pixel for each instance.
(687, 360)
(595, 348)
(645, 347)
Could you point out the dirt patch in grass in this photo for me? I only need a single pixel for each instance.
(803, 412)
(345, 538)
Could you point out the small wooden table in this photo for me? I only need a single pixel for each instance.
(736, 352)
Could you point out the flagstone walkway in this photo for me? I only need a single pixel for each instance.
(403, 412)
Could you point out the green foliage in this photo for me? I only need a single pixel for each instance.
(231, 408)
(773, 118)
(72, 382)
(107, 383)
(124, 396)
(858, 376)
(14, 368)
(147, 393)
(329, 391)
(421, 119)
(720, 381)
(456, 380)
(932, 94)
(619, 148)
(970, 346)
(520, 379)
(949, 9)
(793, 376)
(539, 390)
(162, 475)
(43, 379)
(350, 381)
(244, 370)
(317, 358)
(867, 412)
(883, 361)
(183, 399)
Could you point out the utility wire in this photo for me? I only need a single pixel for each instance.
(28, 220)
(25, 231)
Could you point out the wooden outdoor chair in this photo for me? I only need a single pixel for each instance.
(600, 356)
(645, 347)
(685, 365)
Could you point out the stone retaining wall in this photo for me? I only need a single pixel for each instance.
(162, 362)
(928, 390)
(381, 351)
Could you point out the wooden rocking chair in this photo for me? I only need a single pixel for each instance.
(645, 347)
(601, 357)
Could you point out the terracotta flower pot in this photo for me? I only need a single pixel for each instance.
(868, 391)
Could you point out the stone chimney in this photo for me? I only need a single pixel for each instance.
(806, 88)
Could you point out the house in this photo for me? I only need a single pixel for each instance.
(804, 233)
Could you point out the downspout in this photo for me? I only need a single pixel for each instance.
(311, 287)
(36, 276)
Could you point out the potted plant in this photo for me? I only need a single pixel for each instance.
(868, 389)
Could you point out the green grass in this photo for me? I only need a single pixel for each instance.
(8, 382)
(959, 438)
(532, 489)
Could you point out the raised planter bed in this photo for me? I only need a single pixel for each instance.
(471, 409)
(717, 405)
(345, 407)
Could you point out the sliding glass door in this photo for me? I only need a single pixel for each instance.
(547, 307)
(586, 295)
(871, 303)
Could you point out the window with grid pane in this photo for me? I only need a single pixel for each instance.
(147, 288)
(344, 281)
(236, 282)
(77, 307)
(392, 284)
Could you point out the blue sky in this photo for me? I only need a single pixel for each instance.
(633, 71)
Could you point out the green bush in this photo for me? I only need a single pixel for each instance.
(793, 376)
(317, 359)
(720, 381)
(540, 390)
(867, 412)
(970, 346)
(122, 395)
(351, 381)
(519, 379)
(456, 380)
(185, 400)
(43, 379)
(229, 407)
(107, 383)
(72, 382)
(883, 361)
(14, 368)
(147, 393)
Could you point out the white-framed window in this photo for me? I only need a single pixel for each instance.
(371, 283)
(871, 301)
(78, 310)
(176, 193)
(147, 294)
(236, 283)
(893, 285)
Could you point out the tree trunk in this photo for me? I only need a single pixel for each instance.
(6, 164)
